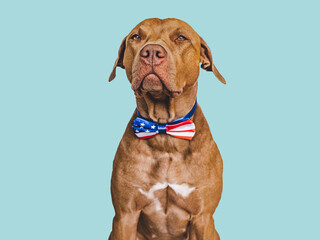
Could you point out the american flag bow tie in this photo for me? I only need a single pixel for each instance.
(182, 128)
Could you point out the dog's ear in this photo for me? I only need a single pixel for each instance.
(119, 61)
(206, 61)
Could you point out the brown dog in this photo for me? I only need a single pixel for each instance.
(165, 187)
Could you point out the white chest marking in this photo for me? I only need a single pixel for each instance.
(182, 189)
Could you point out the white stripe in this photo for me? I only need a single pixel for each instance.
(182, 134)
(144, 134)
(183, 189)
(184, 127)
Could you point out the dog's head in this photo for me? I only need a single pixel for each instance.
(162, 57)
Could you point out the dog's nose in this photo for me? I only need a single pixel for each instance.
(153, 54)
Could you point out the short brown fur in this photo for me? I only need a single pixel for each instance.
(139, 164)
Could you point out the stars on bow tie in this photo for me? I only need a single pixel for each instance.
(182, 127)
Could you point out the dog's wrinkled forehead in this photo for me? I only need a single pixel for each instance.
(154, 29)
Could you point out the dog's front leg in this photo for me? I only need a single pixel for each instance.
(124, 226)
(202, 228)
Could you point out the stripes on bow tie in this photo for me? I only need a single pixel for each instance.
(182, 128)
(145, 129)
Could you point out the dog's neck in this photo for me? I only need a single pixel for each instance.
(167, 109)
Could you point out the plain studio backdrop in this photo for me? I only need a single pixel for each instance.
(61, 121)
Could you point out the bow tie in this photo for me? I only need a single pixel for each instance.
(182, 128)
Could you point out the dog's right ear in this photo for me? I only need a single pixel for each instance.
(119, 61)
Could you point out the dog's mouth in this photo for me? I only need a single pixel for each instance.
(152, 83)
(154, 86)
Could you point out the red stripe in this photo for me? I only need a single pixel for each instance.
(146, 136)
(190, 130)
(184, 137)
(178, 124)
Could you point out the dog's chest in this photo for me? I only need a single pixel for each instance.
(162, 192)
(169, 207)
(171, 184)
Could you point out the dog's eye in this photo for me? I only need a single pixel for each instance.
(181, 38)
(136, 37)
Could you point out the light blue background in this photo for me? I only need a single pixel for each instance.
(61, 121)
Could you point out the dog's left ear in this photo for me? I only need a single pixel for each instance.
(119, 61)
(206, 60)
